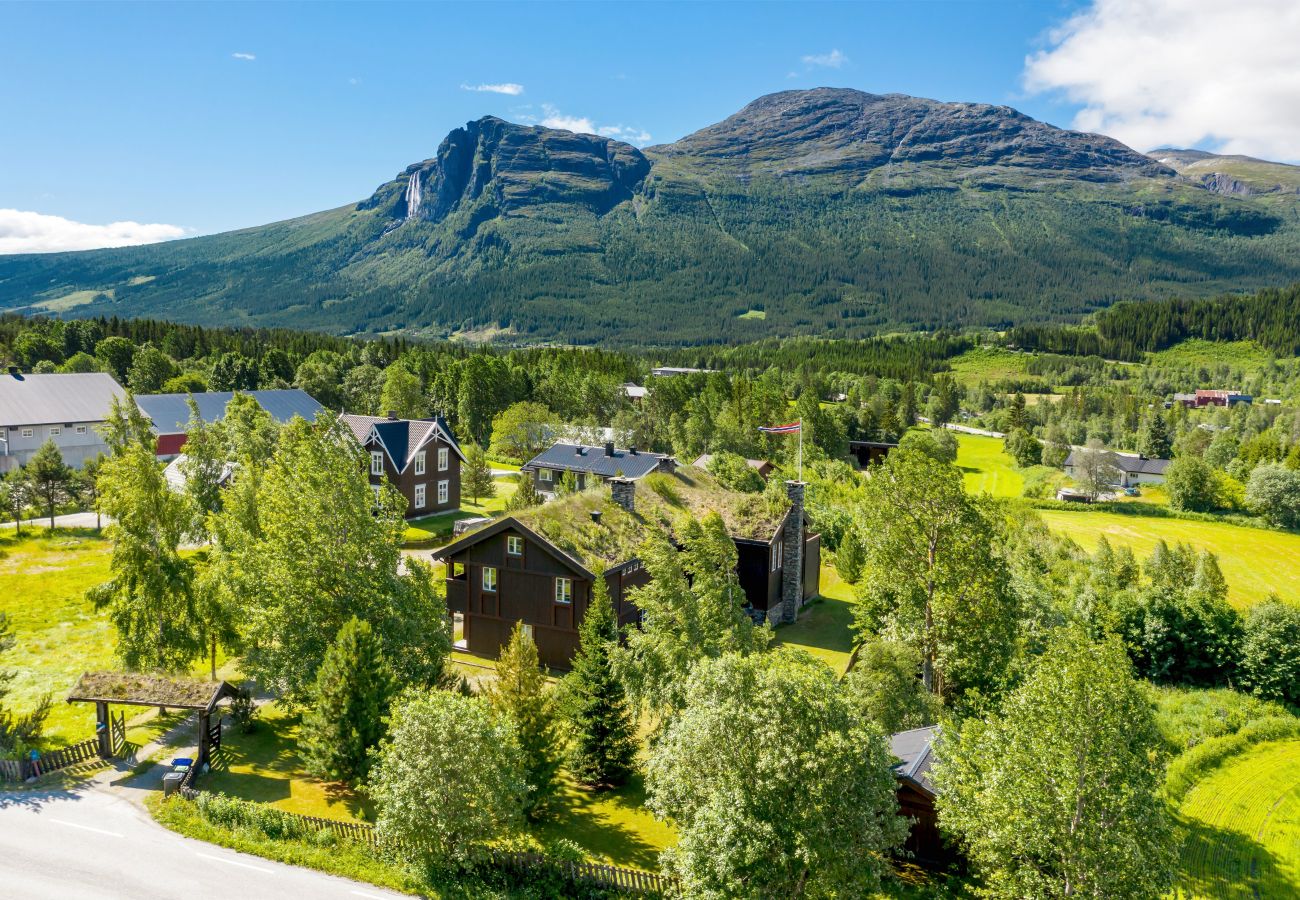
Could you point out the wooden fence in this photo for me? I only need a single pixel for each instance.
(53, 760)
(630, 880)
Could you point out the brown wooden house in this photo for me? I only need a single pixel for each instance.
(538, 566)
(419, 456)
(914, 750)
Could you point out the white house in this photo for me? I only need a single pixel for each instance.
(1133, 469)
(67, 409)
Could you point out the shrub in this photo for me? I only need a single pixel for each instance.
(1191, 484)
(1204, 758)
(1273, 492)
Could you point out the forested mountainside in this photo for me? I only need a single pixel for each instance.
(830, 212)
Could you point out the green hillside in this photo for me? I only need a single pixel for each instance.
(830, 212)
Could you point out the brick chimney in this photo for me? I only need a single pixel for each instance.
(623, 492)
(792, 561)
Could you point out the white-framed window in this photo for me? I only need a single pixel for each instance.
(528, 630)
(564, 591)
(489, 579)
(81, 429)
(376, 462)
(419, 463)
(419, 496)
(444, 459)
(545, 475)
(375, 489)
(780, 554)
(55, 430)
(443, 491)
(514, 545)
(28, 432)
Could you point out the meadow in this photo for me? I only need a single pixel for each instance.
(1243, 828)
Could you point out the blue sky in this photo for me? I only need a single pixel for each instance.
(217, 116)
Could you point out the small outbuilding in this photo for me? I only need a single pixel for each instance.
(868, 452)
(914, 750)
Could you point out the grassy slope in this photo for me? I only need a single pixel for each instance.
(43, 582)
(1254, 561)
(823, 627)
(1196, 353)
(986, 469)
(1244, 827)
(988, 364)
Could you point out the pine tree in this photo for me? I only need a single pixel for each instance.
(520, 693)
(603, 749)
(476, 475)
(50, 478)
(349, 713)
(1153, 439)
(525, 496)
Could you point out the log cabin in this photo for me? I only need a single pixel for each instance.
(914, 750)
(537, 566)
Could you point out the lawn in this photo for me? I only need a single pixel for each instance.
(1243, 825)
(432, 530)
(43, 583)
(823, 626)
(1254, 561)
(986, 469)
(265, 766)
(610, 826)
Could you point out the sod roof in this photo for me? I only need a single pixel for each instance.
(664, 501)
(135, 689)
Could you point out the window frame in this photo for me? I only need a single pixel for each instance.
(484, 579)
(546, 475)
(514, 545)
(444, 491)
(56, 430)
(420, 496)
(444, 459)
(419, 463)
(29, 432)
(376, 462)
(563, 597)
(80, 429)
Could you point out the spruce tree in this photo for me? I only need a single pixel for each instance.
(520, 693)
(525, 496)
(604, 749)
(349, 713)
(51, 479)
(1153, 440)
(476, 475)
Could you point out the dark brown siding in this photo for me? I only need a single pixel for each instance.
(812, 565)
(761, 585)
(407, 480)
(923, 840)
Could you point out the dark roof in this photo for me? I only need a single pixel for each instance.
(759, 465)
(57, 399)
(1131, 465)
(401, 438)
(171, 412)
(915, 751)
(594, 460)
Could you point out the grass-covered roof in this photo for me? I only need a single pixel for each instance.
(138, 689)
(663, 501)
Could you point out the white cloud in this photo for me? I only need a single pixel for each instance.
(1181, 72)
(245, 56)
(508, 87)
(833, 60)
(553, 118)
(32, 232)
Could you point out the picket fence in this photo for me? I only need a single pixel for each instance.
(53, 760)
(596, 874)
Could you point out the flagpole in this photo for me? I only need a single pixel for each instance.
(801, 449)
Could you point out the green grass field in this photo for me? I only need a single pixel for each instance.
(986, 469)
(432, 530)
(988, 364)
(1243, 825)
(43, 583)
(823, 627)
(1254, 561)
(1196, 353)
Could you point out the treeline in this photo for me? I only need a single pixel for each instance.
(1270, 318)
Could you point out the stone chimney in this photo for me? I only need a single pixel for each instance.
(609, 448)
(623, 492)
(392, 416)
(792, 560)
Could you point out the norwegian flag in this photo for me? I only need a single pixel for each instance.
(792, 428)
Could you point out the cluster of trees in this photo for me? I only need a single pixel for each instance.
(48, 484)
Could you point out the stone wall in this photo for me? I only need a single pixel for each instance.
(792, 538)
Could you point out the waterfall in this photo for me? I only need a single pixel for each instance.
(413, 195)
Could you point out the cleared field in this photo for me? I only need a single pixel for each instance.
(1255, 561)
(986, 469)
(1243, 826)
(1196, 353)
(988, 364)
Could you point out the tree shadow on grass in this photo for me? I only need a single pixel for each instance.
(604, 824)
(1228, 865)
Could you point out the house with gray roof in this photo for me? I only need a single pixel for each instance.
(590, 464)
(915, 751)
(420, 457)
(1133, 469)
(65, 408)
(170, 413)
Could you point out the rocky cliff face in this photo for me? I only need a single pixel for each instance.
(507, 167)
(840, 130)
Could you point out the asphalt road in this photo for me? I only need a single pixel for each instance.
(92, 845)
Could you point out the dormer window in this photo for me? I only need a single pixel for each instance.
(376, 462)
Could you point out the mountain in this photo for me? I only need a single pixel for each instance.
(1240, 176)
(828, 211)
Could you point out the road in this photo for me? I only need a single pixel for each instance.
(67, 520)
(95, 845)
